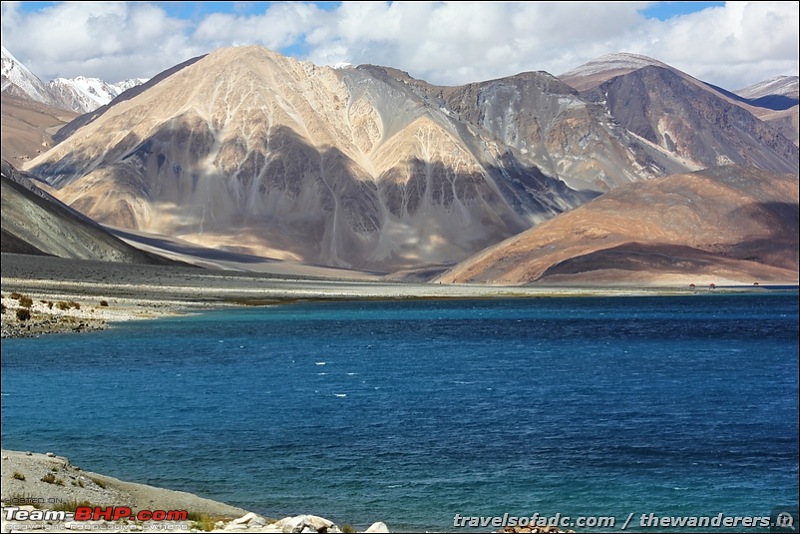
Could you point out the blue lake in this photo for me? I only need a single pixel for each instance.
(409, 412)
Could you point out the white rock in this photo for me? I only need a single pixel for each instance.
(291, 524)
(246, 518)
(257, 521)
(318, 523)
(51, 455)
(378, 526)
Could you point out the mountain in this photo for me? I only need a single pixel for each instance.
(718, 225)
(33, 222)
(80, 94)
(367, 168)
(601, 69)
(548, 125)
(27, 127)
(780, 96)
(83, 95)
(18, 81)
(692, 122)
(258, 153)
(780, 86)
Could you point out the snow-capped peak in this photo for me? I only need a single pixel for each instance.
(84, 94)
(15, 74)
(79, 94)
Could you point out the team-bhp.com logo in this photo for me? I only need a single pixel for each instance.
(95, 513)
(118, 513)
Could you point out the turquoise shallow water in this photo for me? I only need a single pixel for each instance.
(411, 412)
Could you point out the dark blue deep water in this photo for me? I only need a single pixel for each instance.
(410, 412)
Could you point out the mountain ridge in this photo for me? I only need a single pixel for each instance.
(80, 94)
(367, 168)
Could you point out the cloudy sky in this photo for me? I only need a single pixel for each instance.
(730, 44)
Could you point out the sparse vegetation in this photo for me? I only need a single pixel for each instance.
(15, 295)
(62, 305)
(347, 528)
(23, 314)
(50, 304)
(73, 304)
(202, 522)
(25, 301)
(98, 482)
(50, 478)
(18, 476)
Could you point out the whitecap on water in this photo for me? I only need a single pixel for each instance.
(320, 363)
(340, 395)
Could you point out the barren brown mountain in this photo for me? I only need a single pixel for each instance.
(718, 225)
(251, 152)
(27, 127)
(258, 153)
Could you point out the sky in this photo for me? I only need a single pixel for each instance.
(729, 44)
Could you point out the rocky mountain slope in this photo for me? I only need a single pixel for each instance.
(773, 101)
(692, 122)
(722, 224)
(33, 222)
(362, 167)
(367, 168)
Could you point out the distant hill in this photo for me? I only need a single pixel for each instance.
(718, 225)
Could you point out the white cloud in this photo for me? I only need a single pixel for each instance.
(442, 42)
(112, 40)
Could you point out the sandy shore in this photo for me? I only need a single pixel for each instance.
(110, 292)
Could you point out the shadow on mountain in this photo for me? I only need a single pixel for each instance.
(778, 249)
(315, 204)
(660, 106)
(194, 251)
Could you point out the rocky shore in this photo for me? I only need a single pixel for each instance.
(35, 483)
(31, 314)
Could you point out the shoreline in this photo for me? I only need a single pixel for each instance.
(83, 295)
(37, 481)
